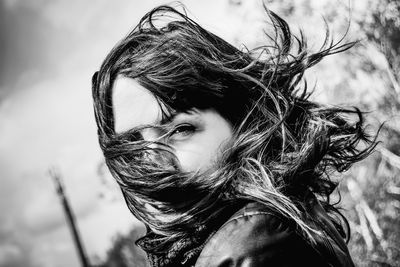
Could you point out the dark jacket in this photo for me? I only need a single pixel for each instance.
(254, 236)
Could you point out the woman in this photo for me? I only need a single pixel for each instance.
(219, 151)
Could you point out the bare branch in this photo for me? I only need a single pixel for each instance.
(364, 229)
(391, 158)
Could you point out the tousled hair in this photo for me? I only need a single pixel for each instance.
(284, 145)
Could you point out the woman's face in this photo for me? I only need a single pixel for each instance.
(196, 137)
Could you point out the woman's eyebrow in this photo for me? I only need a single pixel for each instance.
(171, 117)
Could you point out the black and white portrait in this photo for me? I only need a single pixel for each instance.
(200, 133)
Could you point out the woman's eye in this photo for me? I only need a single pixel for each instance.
(182, 131)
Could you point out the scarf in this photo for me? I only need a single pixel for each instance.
(184, 252)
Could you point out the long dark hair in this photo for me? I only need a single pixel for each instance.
(284, 146)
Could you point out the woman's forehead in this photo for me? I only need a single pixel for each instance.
(133, 105)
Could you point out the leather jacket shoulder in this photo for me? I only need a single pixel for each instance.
(254, 236)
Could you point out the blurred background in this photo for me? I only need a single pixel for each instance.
(49, 50)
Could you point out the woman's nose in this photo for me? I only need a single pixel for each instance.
(162, 157)
(159, 153)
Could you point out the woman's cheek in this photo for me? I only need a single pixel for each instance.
(189, 158)
(194, 157)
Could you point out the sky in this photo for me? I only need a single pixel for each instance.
(49, 50)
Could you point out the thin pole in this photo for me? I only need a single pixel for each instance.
(70, 217)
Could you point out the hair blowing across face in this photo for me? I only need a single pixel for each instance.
(284, 145)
